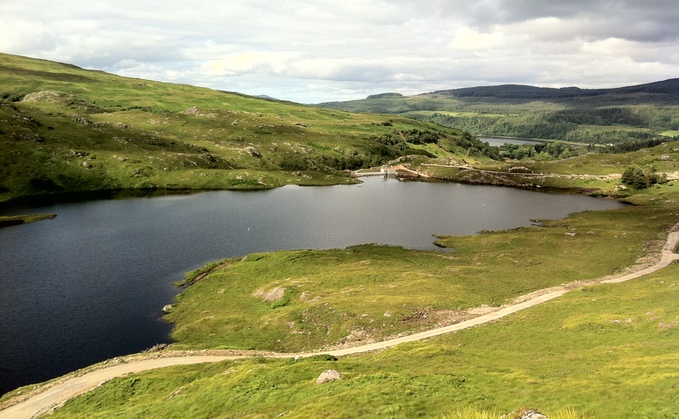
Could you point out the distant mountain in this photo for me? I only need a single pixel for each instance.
(602, 116)
(386, 96)
(661, 92)
(265, 97)
(668, 89)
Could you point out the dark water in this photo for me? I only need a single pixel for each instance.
(90, 284)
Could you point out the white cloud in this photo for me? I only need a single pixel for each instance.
(316, 50)
(470, 39)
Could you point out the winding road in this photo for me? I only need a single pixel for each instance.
(52, 395)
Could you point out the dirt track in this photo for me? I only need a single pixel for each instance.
(53, 395)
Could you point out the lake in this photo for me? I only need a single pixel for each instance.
(91, 284)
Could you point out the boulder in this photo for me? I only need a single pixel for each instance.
(253, 152)
(40, 96)
(270, 296)
(524, 414)
(328, 376)
(532, 414)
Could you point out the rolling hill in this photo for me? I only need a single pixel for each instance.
(602, 350)
(65, 129)
(582, 115)
(662, 93)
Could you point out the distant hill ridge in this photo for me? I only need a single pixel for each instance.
(599, 116)
(668, 88)
(517, 91)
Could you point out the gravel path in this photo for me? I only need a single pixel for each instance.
(53, 395)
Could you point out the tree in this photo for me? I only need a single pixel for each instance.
(635, 177)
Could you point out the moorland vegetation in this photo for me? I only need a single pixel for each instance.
(589, 116)
(64, 129)
(602, 350)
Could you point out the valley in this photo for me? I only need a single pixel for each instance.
(603, 349)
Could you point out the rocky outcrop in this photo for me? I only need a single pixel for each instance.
(524, 414)
(270, 296)
(253, 152)
(193, 111)
(533, 414)
(42, 95)
(328, 376)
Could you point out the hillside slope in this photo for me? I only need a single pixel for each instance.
(583, 115)
(662, 92)
(65, 129)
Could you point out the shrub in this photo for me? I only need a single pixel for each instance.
(637, 178)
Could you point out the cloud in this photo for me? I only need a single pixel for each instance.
(310, 50)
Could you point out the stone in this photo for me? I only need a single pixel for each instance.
(270, 296)
(191, 111)
(40, 96)
(533, 414)
(328, 376)
(524, 414)
(253, 152)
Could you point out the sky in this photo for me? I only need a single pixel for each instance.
(312, 51)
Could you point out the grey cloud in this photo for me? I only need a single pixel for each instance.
(353, 47)
(640, 20)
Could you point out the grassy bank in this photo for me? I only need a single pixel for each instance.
(606, 351)
(10, 220)
(593, 173)
(602, 351)
(65, 129)
(364, 293)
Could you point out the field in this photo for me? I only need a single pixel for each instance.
(606, 351)
(367, 293)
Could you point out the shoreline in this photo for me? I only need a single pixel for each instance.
(12, 220)
(53, 394)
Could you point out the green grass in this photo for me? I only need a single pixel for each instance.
(600, 119)
(453, 113)
(65, 129)
(470, 413)
(10, 220)
(373, 292)
(593, 173)
(605, 351)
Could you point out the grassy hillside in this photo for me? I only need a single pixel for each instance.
(65, 129)
(600, 351)
(342, 296)
(366, 293)
(593, 173)
(663, 93)
(607, 351)
(599, 116)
